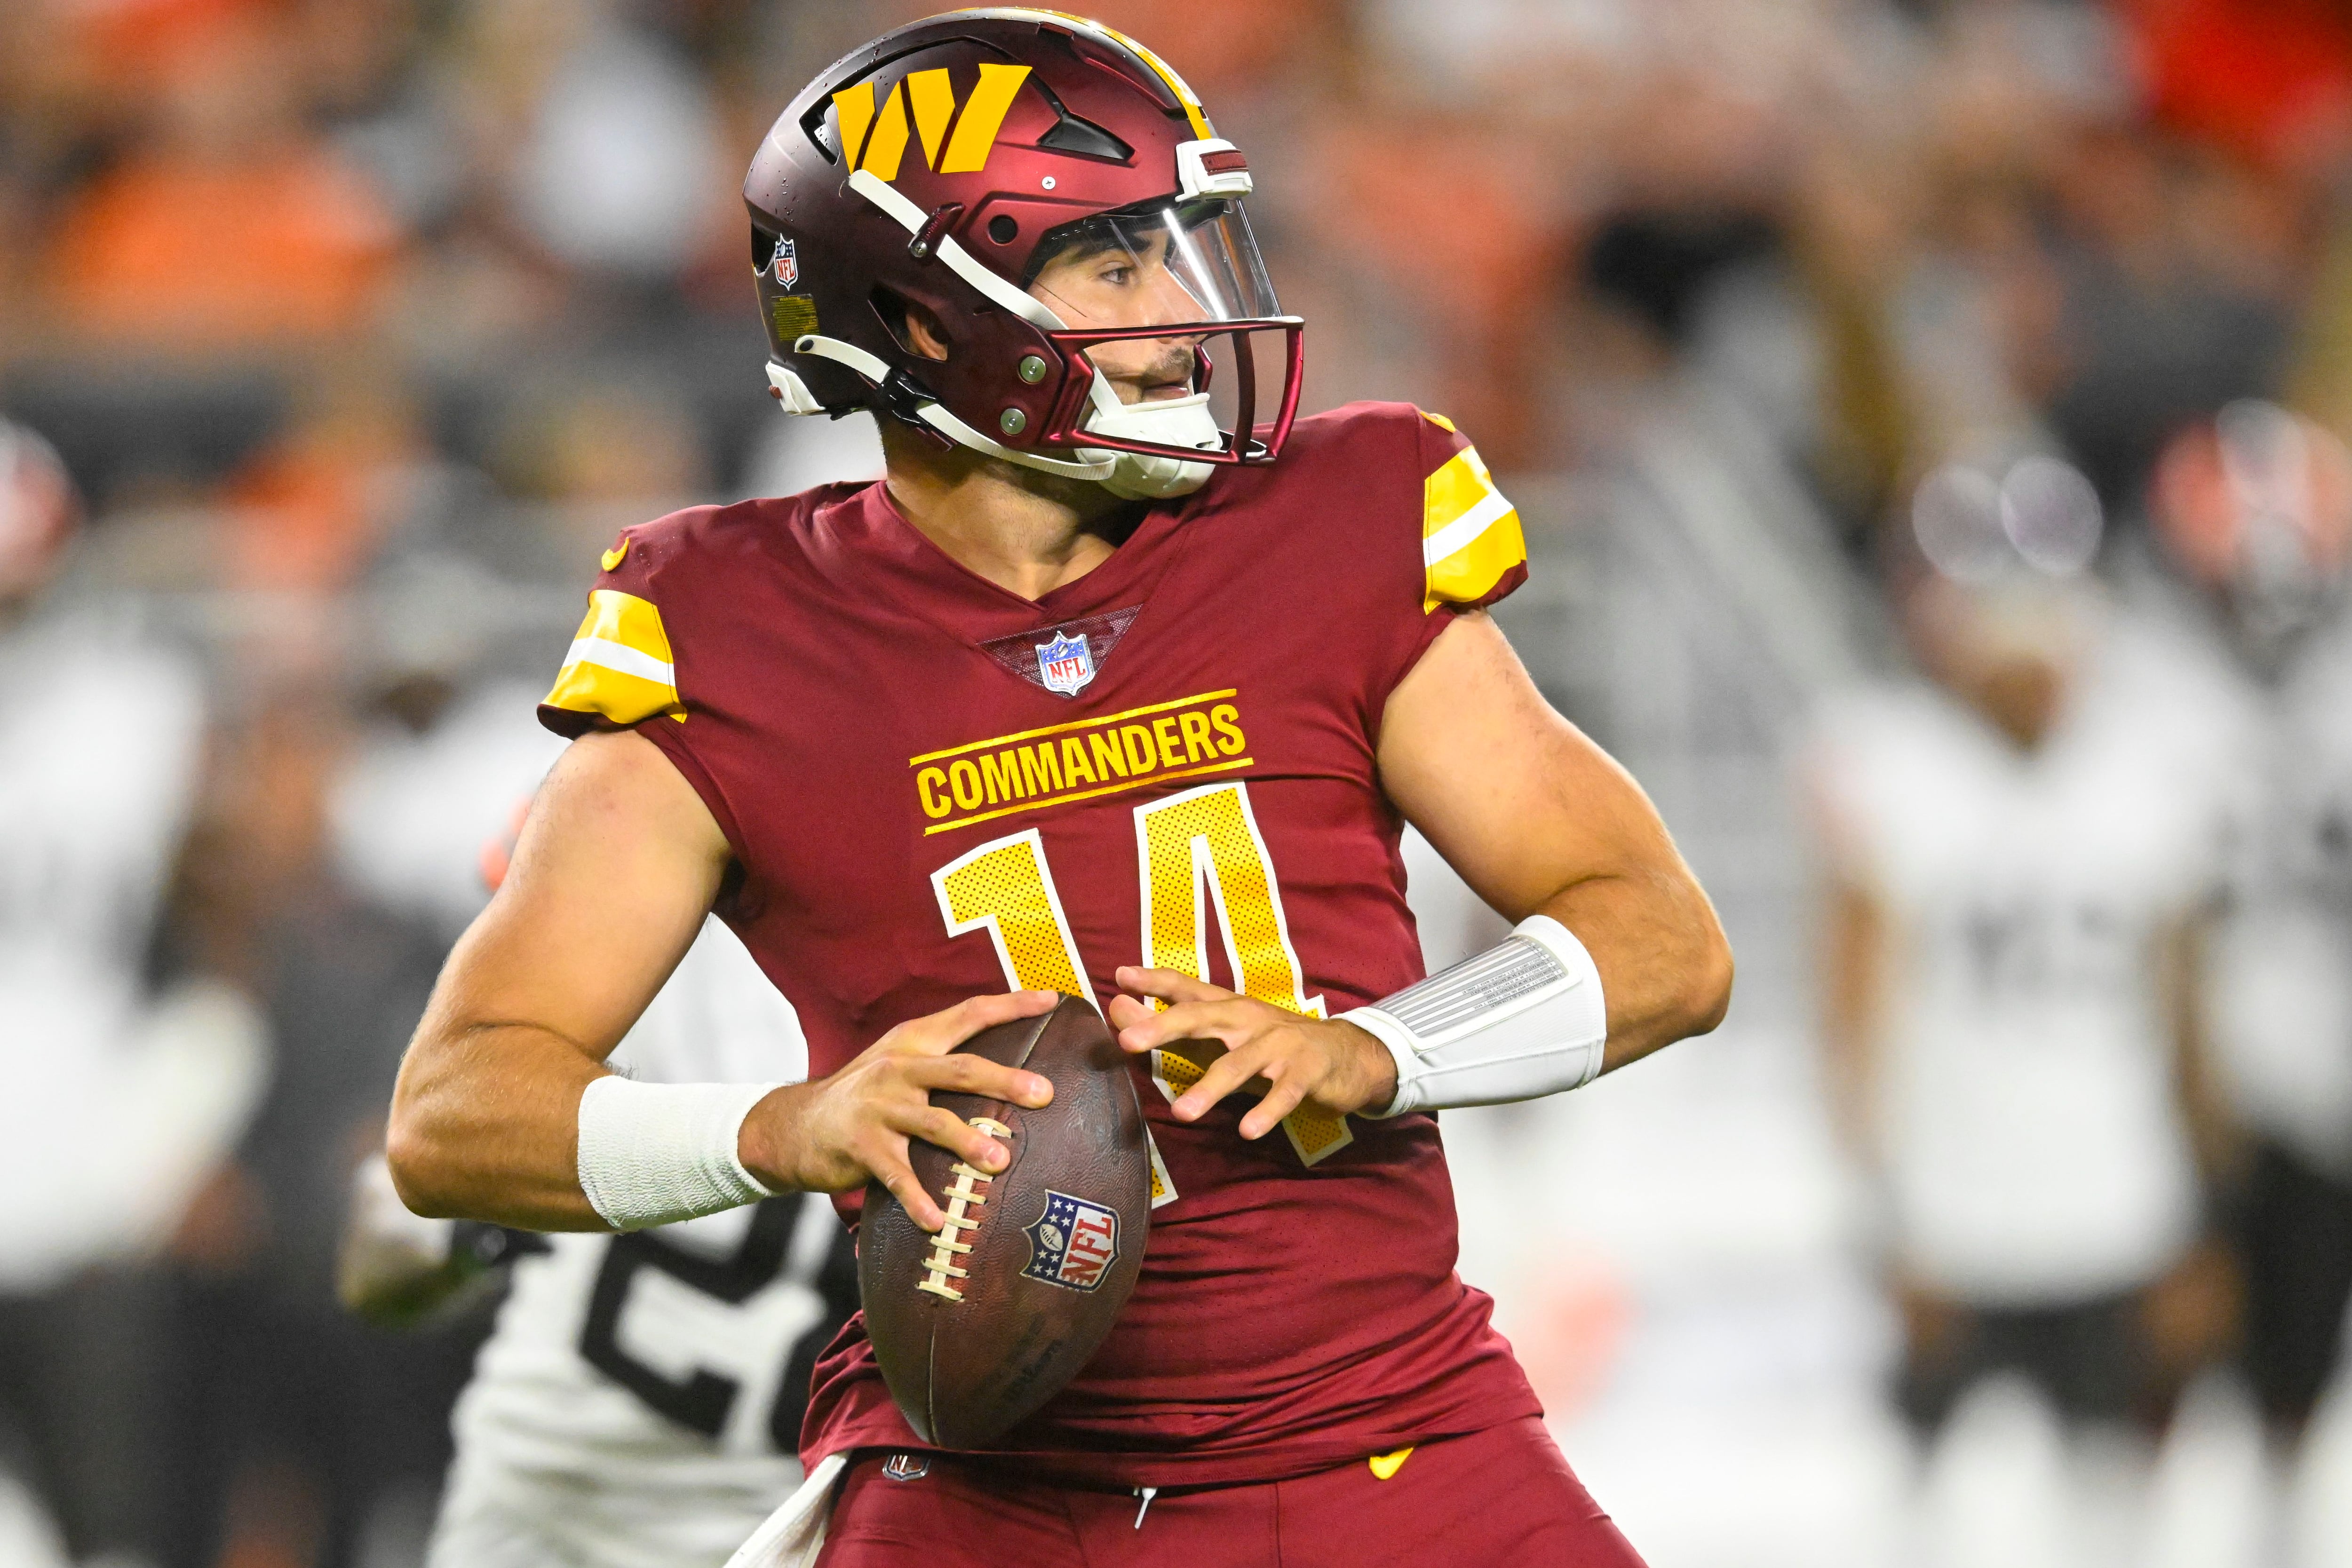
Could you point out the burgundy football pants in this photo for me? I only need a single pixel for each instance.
(1503, 1496)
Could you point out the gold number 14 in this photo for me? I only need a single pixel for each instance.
(1200, 839)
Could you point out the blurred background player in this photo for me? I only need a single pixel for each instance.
(2253, 522)
(639, 1403)
(638, 1399)
(2019, 846)
(124, 1094)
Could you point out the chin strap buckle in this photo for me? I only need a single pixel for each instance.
(904, 398)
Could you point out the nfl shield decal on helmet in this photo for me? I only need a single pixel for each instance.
(788, 264)
(1073, 1244)
(1066, 663)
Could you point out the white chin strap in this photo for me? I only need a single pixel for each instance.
(1173, 422)
(797, 399)
(1170, 421)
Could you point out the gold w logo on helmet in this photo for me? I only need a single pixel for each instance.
(877, 142)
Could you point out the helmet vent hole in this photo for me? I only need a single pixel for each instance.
(1085, 138)
(1074, 133)
(1003, 229)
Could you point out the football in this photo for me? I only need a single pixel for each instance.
(979, 1326)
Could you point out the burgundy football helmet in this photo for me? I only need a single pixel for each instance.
(950, 162)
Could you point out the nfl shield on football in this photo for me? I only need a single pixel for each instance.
(978, 1326)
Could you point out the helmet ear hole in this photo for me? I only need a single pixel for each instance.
(1004, 229)
(912, 325)
(763, 248)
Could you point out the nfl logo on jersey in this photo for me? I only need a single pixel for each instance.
(1073, 1244)
(788, 264)
(1066, 663)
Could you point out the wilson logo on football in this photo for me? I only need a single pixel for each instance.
(1073, 1244)
(877, 142)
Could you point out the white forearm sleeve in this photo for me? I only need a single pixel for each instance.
(1523, 1018)
(654, 1153)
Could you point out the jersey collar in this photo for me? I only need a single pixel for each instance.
(889, 554)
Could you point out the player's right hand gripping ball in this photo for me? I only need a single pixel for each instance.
(979, 1326)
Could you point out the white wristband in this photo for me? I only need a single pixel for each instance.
(1524, 1019)
(654, 1153)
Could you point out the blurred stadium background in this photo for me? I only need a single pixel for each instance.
(359, 324)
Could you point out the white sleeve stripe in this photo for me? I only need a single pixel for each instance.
(1464, 530)
(620, 657)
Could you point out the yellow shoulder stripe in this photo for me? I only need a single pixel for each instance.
(619, 667)
(1470, 534)
(1386, 1464)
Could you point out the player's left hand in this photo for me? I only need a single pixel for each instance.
(1288, 1058)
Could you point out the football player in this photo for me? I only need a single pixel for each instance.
(123, 1098)
(638, 1404)
(2254, 515)
(1120, 684)
(2017, 847)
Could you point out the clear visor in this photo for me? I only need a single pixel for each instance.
(1163, 266)
(1142, 296)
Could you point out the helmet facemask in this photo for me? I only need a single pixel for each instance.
(1139, 295)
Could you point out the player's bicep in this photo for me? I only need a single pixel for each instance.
(616, 869)
(1518, 800)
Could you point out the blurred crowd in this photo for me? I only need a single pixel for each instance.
(1927, 416)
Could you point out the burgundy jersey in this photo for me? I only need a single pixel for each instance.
(935, 789)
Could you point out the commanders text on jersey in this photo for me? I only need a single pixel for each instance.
(1073, 761)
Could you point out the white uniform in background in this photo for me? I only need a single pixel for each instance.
(638, 1403)
(634, 1407)
(2035, 1154)
(2279, 969)
(117, 1103)
(412, 813)
(2278, 987)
